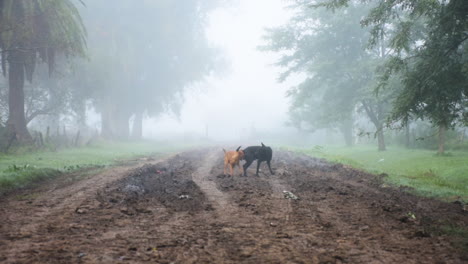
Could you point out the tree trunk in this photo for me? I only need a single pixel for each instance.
(374, 117)
(407, 136)
(442, 130)
(76, 143)
(81, 116)
(106, 127)
(114, 123)
(16, 121)
(137, 131)
(53, 119)
(347, 130)
(107, 123)
(381, 139)
(122, 125)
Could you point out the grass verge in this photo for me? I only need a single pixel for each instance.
(22, 169)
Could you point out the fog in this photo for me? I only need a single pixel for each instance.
(233, 131)
(229, 71)
(248, 96)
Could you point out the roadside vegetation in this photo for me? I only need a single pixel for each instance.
(25, 166)
(441, 176)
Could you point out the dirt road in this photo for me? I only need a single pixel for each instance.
(183, 210)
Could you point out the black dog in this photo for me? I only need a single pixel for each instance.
(259, 153)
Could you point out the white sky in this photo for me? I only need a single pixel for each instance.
(249, 95)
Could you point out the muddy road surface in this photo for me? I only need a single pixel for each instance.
(182, 209)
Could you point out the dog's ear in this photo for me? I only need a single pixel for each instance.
(224, 151)
(238, 148)
(263, 144)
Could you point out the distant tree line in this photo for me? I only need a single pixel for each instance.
(395, 62)
(125, 60)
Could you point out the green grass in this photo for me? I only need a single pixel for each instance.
(445, 177)
(22, 169)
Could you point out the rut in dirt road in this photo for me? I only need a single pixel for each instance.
(184, 210)
(25, 219)
(208, 186)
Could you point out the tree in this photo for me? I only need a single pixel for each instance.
(428, 42)
(331, 50)
(142, 66)
(32, 29)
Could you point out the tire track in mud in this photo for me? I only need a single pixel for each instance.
(202, 178)
(278, 187)
(25, 222)
(184, 210)
(240, 231)
(221, 201)
(364, 222)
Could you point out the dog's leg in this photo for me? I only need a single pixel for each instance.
(258, 166)
(246, 165)
(232, 171)
(269, 167)
(225, 165)
(241, 169)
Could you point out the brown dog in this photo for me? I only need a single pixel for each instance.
(232, 158)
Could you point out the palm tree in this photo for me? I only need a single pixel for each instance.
(32, 30)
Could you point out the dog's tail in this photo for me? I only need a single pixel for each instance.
(238, 148)
(263, 144)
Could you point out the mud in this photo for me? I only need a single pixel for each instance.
(184, 210)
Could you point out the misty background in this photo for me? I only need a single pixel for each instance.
(286, 72)
(244, 99)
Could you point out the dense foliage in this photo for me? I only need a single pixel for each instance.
(33, 30)
(137, 57)
(414, 52)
